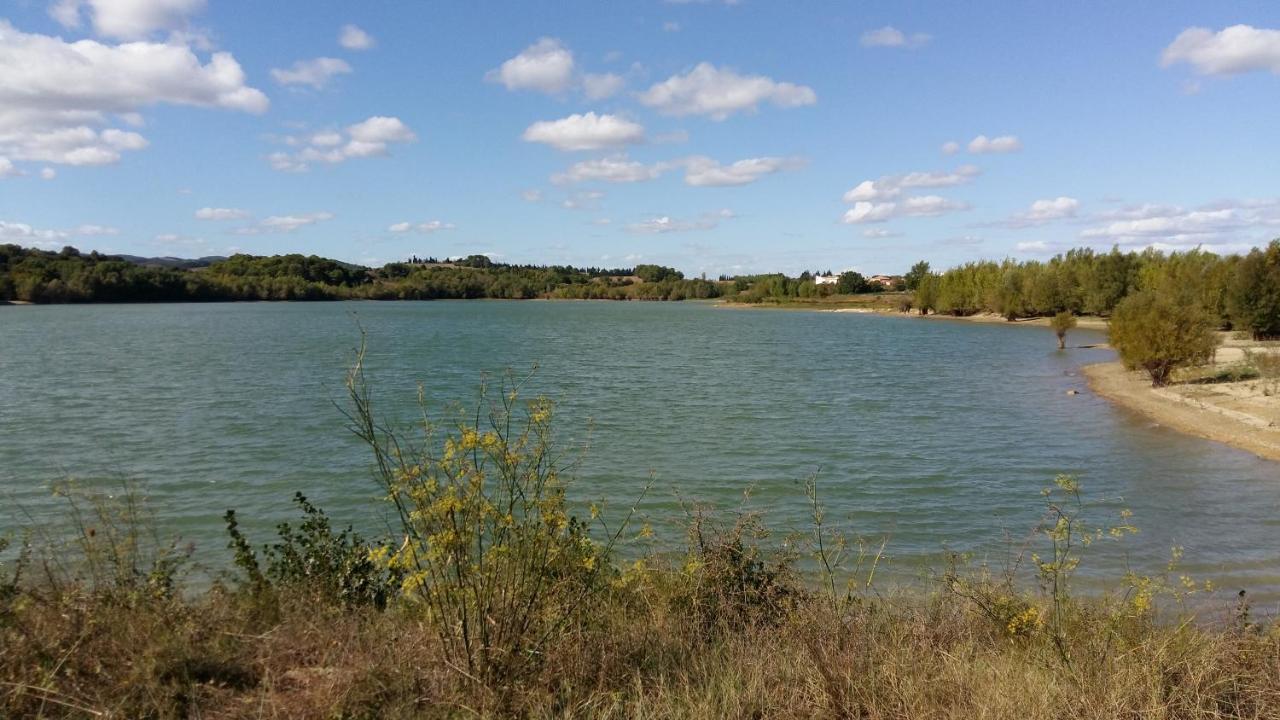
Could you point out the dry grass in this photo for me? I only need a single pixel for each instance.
(224, 655)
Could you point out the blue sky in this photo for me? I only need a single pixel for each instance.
(719, 137)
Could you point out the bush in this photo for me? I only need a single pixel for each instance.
(490, 553)
(1159, 334)
(1061, 323)
(336, 566)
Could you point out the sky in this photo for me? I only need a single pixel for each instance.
(716, 136)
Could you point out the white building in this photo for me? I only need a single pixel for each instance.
(825, 279)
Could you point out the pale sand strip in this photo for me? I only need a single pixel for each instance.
(1245, 420)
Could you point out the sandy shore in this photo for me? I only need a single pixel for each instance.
(1086, 322)
(1243, 414)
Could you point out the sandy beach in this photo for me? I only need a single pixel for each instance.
(1244, 414)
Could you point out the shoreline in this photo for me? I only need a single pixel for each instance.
(1191, 410)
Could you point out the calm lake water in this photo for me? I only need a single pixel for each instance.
(938, 435)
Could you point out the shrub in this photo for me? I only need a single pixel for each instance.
(336, 566)
(1158, 334)
(1061, 323)
(490, 552)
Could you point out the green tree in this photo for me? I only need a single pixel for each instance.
(851, 282)
(916, 275)
(1160, 333)
(1061, 323)
(1254, 300)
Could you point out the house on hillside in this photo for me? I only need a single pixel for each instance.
(825, 279)
(888, 282)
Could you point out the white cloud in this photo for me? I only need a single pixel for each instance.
(284, 223)
(545, 66)
(532, 195)
(367, 138)
(951, 147)
(424, 227)
(891, 186)
(879, 233)
(705, 172)
(671, 26)
(585, 132)
(601, 86)
(317, 73)
(1231, 51)
(7, 169)
(1032, 246)
(56, 96)
(614, 169)
(889, 36)
(919, 206)
(586, 200)
(212, 213)
(127, 19)
(1043, 211)
(1229, 222)
(719, 93)
(26, 234)
(1003, 144)
(94, 230)
(662, 224)
(48, 173)
(352, 37)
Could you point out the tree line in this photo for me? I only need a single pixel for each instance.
(1240, 292)
(69, 276)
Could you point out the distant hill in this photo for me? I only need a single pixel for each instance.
(173, 262)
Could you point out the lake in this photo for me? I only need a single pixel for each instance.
(936, 435)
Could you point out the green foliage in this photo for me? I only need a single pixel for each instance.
(338, 566)
(1060, 324)
(1160, 333)
(657, 273)
(851, 282)
(916, 275)
(1254, 299)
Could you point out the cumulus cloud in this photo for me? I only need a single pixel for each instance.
(662, 224)
(1229, 222)
(317, 73)
(721, 92)
(916, 206)
(424, 228)
(545, 66)
(888, 187)
(126, 19)
(7, 169)
(1003, 144)
(1231, 51)
(368, 138)
(951, 147)
(704, 172)
(48, 173)
(585, 132)
(613, 169)
(212, 213)
(352, 37)
(56, 97)
(889, 36)
(284, 223)
(1032, 246)
(1043, 211)
(532, 195)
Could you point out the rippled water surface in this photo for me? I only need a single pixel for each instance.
(939, 435)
